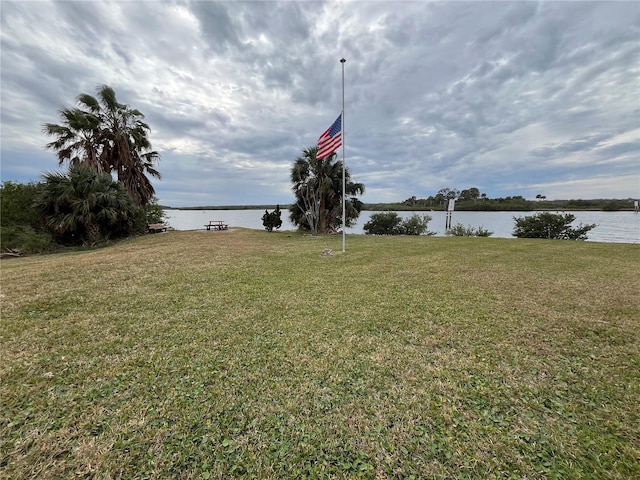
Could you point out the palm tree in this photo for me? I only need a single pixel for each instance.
(317, 185)
(76, 138)
(108, 136)
(84, 206)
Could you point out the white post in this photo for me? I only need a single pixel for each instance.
(344, 198)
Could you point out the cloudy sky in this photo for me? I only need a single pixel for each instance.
(514, 98)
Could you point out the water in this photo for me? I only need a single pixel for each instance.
(616, 227)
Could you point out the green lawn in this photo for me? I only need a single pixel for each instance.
(244, 354)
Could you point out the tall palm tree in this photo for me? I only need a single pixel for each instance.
(108, 136)
(317, 186)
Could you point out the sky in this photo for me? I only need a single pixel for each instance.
(512, 98)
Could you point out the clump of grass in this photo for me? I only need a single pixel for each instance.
(250, 355)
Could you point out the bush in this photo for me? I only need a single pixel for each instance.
(272, 220)
(84, 207)
(551, 226)
(416, 225)
(383, 223)
(390, 223)
(154, 212)
(20, 221)
(26, 239)
(460, 230)
(17, 204)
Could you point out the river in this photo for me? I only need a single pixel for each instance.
(615, 227)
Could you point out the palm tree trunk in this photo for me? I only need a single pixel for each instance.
(93, 233)
(322, 227)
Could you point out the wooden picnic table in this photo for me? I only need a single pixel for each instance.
(156, 227)
(216, 225)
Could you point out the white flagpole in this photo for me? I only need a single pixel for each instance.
(344, 198)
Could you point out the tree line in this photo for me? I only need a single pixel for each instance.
(473, 200)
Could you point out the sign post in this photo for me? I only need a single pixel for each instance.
(450, 208)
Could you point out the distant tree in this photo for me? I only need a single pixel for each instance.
(449, 193)
(551, 226)
(469, 194)
(317, 186)
(410, 201)
(83, 207)
(272, 220)
(108, 136)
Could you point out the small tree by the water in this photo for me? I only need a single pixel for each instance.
(272, 220)
(551, 226)
(155, 212)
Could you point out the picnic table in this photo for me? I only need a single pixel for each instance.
(216, 225)
(156, 227)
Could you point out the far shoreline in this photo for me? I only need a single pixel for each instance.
(611, 205)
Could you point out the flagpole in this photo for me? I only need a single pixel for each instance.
(344, 198)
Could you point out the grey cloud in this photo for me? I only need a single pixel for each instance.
(217, 25)
(621, 149)
(586, 143)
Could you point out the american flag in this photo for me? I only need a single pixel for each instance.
(331, 139)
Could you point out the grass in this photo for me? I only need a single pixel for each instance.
(244, 354)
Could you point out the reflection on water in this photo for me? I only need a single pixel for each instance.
(619, 227)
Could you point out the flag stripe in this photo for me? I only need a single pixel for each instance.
(329, 146)
(331, 139)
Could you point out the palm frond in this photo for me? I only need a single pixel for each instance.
(90, 102)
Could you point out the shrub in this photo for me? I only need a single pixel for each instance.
(383, 223)
(17, 204)
(84, 207)
(390, 223)
(460, 230)
(26, 239)
(20, 221)
(416, 225)
(272, 220)
(551, 226)
(154, 212)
